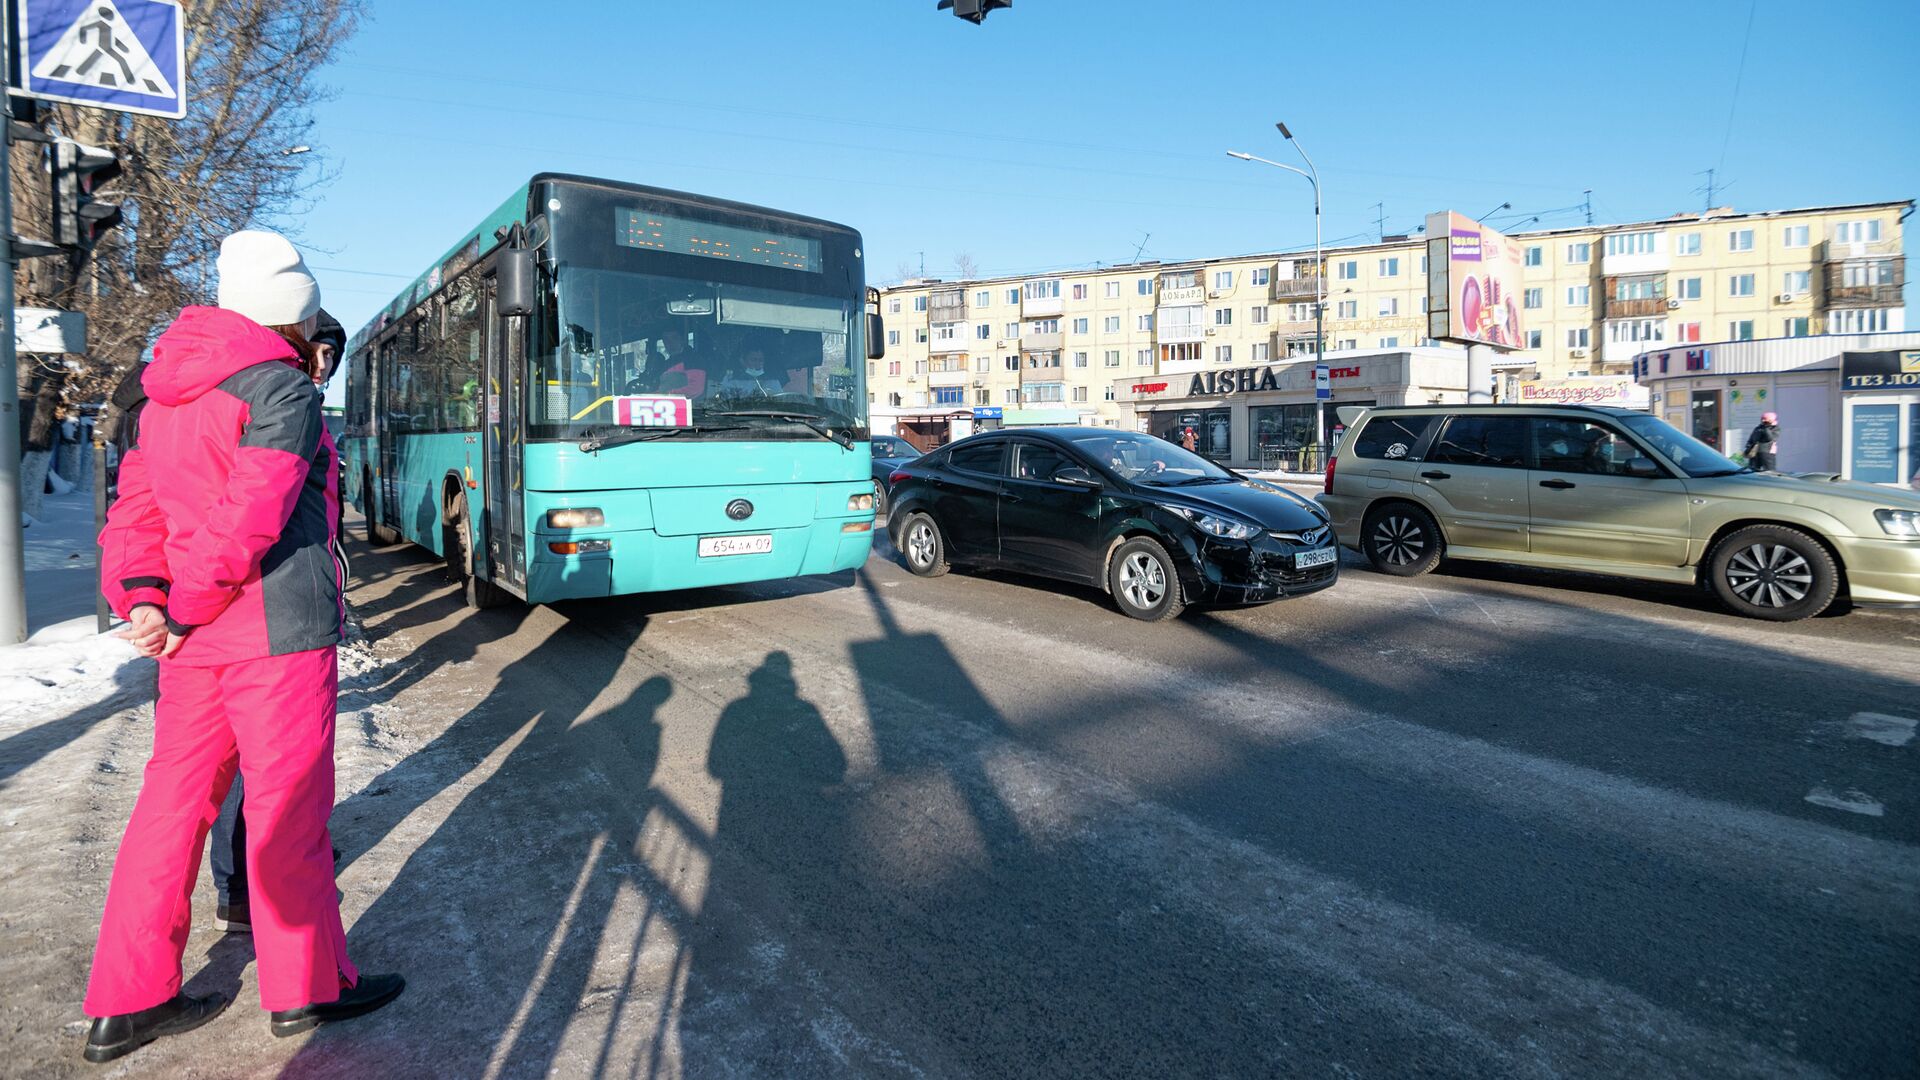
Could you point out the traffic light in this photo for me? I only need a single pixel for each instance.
(972, 10)
(79, 170)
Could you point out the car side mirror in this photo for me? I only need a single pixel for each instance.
(876, 337)
(1077, 476)
(1644, 467)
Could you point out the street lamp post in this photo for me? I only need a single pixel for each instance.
(1319, 259)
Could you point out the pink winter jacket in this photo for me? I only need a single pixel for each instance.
(227, 504)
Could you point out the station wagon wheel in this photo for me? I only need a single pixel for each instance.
(1401, 539)
(1144, 581)
(921, 543)
(1773, 572)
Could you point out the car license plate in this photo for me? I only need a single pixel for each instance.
(1309, 559)
(736, 545)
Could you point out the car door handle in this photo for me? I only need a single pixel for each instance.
(1436, 474)
(1558, 485)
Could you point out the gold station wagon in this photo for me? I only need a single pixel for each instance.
(1612, 491)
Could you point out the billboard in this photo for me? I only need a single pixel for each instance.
(1473, 283)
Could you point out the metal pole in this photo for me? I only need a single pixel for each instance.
(13, 554)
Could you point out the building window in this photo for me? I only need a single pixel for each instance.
(1347, 270)
(1079, 326)
(1180, 352)
(1143, 286)
(1795, 327)
(1740, 330)
(1079, 359)
(919, 335)
(1012, 395)
(981, 364)
(1390, 267)
(1261, 352)
(1579, 295)
(1261, 275)
(893, 400)
(1012, 362)
(1044, 359)
(1740, 240)
(1180, 279)
(1857, 232)
(893, 307)
(1144, 322)
(1858, 321)
(893, 367)
(1257, 315)
(1533, 339)
(1533, 255)
(1143, 358)
(1580, 253)
(1687, 288)
(1048, 289)
(1389, 342)
(1347, 343)
(1534, 298)
(1110, 324)
(1577, 338)
(1628, 331)
(1632, 243)
(1223, 316)
(1110, 393)
(1637, 288)
(1223, 354)
(1079, 393)
(1347, 309)
(983, 298)
(1797, 282)
(1740, 285)
(1079, 290)
(949, 395)
(1876, 272)
(982, 332)
(1689, 331)
(1389, 305)
(1113, 289)
(983, 397)
(1013, 296)
(1012, 330)
(873, 369)
(1223, 279)
(1686, 243)
(1299, 312)
(1111, 358)
(1046, 392)
(919, 303)
(1794, 236)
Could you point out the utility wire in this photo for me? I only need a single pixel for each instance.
(1739, 73)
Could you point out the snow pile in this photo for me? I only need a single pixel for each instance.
(68, 666)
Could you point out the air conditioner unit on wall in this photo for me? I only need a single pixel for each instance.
(1786, 298)
(1673, 304)
(1576, 353)
(1214, 295)
(1210, 331)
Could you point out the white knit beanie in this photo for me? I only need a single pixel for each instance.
(265, 279)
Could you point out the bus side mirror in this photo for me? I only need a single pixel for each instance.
(876, 336)
(514, 283)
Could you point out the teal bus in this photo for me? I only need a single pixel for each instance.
(606, 388)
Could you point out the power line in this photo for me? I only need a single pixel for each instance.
(1739, 73)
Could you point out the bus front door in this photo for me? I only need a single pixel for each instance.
(505, 524)
(387, 451)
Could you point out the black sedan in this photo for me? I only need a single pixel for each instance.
(1154, 525)
(889, 453)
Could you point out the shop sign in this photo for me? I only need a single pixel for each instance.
(1148, 388)
(1668, 363)
(1194, 294)
(1244, 381)
(1619, 391)
(987, 412)
(1887, 369)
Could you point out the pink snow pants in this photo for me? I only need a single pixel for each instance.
(273, 719)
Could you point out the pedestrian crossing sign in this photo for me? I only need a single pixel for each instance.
(126, 55)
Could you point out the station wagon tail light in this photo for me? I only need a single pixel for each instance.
(1331, 458)
(860, 502)
(577, 517)
(896, 476)
(1899, 522)
(579, 547)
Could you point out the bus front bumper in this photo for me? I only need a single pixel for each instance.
(642, 560)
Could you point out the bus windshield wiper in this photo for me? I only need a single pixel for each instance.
(603, 439)
(843, 439)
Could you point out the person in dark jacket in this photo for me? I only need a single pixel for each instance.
(1764, 444)
(227, 846)
(226, 573)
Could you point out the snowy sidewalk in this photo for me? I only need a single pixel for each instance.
(62, 561)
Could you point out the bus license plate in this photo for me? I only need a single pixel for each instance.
(1309, 559)
(736, 545)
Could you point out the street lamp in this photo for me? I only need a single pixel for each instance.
(1319, 258)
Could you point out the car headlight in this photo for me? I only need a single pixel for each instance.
(1899, 522)
(1224, 527)
(579, 517)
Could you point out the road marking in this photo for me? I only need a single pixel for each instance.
(1883, 728)
(1853, 802)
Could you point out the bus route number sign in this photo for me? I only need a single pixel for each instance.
(653, 411)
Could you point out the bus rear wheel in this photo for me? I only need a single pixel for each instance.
(457, 542)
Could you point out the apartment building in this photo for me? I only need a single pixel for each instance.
(1052, 349)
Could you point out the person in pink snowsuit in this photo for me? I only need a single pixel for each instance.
(219, 552)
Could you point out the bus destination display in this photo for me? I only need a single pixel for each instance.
(654, 231)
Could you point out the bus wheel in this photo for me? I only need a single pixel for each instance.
(377, 534)
(457, 540)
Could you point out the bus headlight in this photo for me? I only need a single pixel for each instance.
(575, 517)
(860, 502)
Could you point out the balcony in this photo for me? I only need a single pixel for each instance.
(1042, 300)
(949, 306)
(1866, 282)
(1294, 289)
(1839, 251)
(1031, 340)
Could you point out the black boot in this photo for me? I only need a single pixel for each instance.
(118, 1036)
(371, 992)
(233, 917)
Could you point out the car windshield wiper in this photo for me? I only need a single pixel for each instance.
(598, 439)
(842, 438)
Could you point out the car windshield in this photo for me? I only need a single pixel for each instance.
(1144, 459)
(885, 447)
(1689, 454)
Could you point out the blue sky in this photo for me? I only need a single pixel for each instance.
(1067, 132)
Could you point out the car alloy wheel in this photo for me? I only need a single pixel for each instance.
(1769, 575)
(1143, 581)
(1399, 539)
(919, 540)
(920, 543)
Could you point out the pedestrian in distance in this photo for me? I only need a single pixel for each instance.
(227, 846)
(219, 553)
(1189, 440)
(1763, 445)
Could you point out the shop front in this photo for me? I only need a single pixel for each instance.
(1268, 417)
